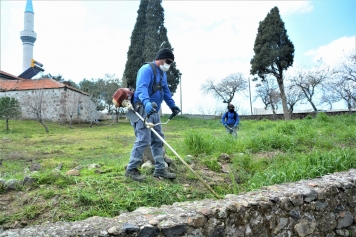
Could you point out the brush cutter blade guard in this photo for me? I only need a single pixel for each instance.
(122, 97)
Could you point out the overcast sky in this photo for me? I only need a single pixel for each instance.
(211, 39)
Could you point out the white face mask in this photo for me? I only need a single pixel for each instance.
(164, 67)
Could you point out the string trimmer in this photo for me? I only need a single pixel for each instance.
(127, 103)
(234, 131)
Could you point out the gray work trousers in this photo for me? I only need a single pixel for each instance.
(231, 130)
(145, 137)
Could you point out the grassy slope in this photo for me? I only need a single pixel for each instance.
(265, 153)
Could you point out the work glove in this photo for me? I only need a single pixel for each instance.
(225, 125)
(235, 127)
(149, 108)
(175, 109)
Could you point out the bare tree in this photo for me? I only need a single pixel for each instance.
(219, 110)
(268, 92)
(347, 69)
(227, 88)
(312, 83)
(342, 85)
(73, 108)
(91, 106)
(205, 110)
(120, 110)
(112, 83)
(35, 106)
(342, 89)
(294, 94)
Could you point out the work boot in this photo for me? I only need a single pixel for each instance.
(164, 174)
(134, 175)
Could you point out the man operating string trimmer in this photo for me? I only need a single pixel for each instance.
(231, 120)
(151, 90)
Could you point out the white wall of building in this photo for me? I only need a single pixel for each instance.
(57, 105)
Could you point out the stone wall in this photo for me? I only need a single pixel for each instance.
(270, 116)
(294, 115)
(324, 206)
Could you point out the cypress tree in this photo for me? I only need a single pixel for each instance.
(149, 42)
(274, 52)
(135, 53)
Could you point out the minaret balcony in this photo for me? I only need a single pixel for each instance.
(28, 33)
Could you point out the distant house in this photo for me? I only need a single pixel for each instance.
(57, 101)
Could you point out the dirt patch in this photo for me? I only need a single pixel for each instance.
(267, 154)
(25, 209)
(16, 156)
(32, 206)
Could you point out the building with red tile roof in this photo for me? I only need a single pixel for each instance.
(57, 101)
(7, 76)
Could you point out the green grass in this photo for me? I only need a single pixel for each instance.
(265, 153)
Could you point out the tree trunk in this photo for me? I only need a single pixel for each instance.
(44, 125)
(284, 99)
(39, 118)
(7, 124)
(313, 105)
(290, 113)
(273, 111)
(70, 122)
(349, 106)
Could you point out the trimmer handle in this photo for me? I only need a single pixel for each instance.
(154, 105)
(174, 113)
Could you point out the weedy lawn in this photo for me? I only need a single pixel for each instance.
(265, 153)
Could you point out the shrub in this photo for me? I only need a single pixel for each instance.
(308, 117)
(286, 128)
(322, 117)
(198, 142)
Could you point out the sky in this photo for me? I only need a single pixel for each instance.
(211, 40)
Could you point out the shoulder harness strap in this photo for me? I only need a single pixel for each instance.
(155, 86)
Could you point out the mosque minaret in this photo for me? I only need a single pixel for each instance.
(28, 36)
